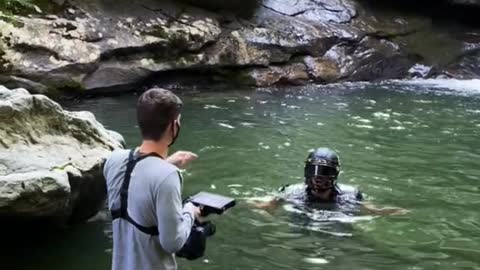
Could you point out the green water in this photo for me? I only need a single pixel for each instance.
(403, 146)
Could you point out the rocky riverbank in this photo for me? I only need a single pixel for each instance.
(104, 46)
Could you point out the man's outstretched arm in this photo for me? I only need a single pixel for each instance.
(370, 208)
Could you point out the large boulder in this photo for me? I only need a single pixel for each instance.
(50, 159)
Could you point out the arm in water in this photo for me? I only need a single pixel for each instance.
(268, 206)
(370, 208)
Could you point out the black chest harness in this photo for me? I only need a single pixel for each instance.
(195, 245)
(123, 212)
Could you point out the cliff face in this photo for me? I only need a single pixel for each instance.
(102, 46)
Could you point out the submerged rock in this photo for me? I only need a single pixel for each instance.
(50, 159)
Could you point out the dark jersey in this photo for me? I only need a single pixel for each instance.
(345, 197)
(333, 217)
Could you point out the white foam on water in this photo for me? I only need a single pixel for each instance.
(469, 87)
(422, 101)
(362, 120)
(208, 106)
(363, 126)
(226, 125)
(341, 104)
(381, 115)
(473, 111)
(247, 124)
(419, 69)
(315, 260)
(397, 122)
(366, 121)
(209, 147)
(263, 145)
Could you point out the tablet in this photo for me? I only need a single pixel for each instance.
(212, 203)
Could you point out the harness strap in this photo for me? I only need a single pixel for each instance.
(122, 212)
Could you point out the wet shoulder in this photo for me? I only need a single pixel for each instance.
(349, 193)
(293, 192)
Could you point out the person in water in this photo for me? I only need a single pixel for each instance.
(320, 187)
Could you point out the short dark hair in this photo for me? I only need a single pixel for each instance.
(156, 108)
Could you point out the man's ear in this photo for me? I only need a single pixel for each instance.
(169, 126)
(168, 130)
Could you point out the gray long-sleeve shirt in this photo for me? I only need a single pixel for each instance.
(154, 198)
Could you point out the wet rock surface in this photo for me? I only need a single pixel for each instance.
(105, 46)
(50, 159)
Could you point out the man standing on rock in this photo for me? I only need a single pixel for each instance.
(144, 189)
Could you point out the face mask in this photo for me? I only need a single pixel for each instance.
(174, 136)
(321, 184)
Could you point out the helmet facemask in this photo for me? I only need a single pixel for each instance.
(320, 175)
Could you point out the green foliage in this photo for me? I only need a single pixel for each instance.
(16, 6)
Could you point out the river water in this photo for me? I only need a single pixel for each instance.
(413, 145)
